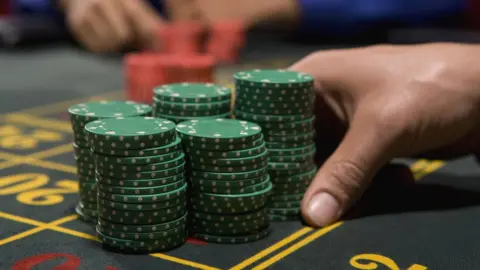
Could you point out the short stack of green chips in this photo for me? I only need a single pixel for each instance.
(80, 115)
(228, 177)
(140, 174)
(188, 101)
(282, 103)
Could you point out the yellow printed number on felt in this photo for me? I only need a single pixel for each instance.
(372, 261)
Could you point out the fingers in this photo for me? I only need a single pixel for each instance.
(347, 173)
(181, 10)
(144, 19)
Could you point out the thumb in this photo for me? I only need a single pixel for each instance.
(346, 174)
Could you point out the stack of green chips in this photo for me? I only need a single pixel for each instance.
(228, 177)
(80, 115)
(282, 103)
(140, 174)
(189, 101)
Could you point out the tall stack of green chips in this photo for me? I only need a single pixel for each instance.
(282, 103)
(80, 115)
(229, 182)
(140, 174)
(189, 101)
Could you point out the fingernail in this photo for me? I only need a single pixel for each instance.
(323, 209)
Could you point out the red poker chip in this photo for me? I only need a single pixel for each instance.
(181, 38)
(198, 68)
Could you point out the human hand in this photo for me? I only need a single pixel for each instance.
(250, 12)
(110, 25)
(394, 101)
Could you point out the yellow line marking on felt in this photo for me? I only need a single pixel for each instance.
(37, 162)
(182, 261)
(39, 228)
(297, 246)
(33, 121)
(285, 241)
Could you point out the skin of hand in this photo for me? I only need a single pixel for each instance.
(385, 102)
(110, 25)
(251, 12)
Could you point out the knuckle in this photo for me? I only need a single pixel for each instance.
(347, 177)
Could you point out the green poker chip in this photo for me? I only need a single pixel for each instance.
(131, 133)
(192, 92)
(288, 145)
(284, 211)
(229, 131)
(228, 169)
(226, 154)
(283, 218)
(185, 106)
(291, 204)
(145, 228)
(229, 176)
(151, 198)
(263, 96)
(287, 125)
(271, 118)
(302, 177)
(254, 159)
(247, 102)
(253, 215)
(280, 112)
(258, 196)
(154, 245)
(144, 174)
(142, 206)
(287, 132)
(292, 151)
(81, 151)
(279, 173)
(180, 113)
(103, 167)
(85, 218)
(273, 77)
(83, 113)
(293, 158)
(198, 183)
(140, 190)
(276, 166)
(144, 217)
(310, 136)
(229, 190)
(136, 160)
(146, 152)
(243, 239)
(142, 236)
(179, 119)
(209, 146)
(139, 183)
(291, 187)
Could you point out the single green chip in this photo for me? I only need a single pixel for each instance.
(271, 118)
(181, 113)
(229, 176)
(291, 204)
(169, 148)
(81, 151)
(284, 211)
(219, 189)
(86, 112)
(254, 215)
(219, 130)
(293, 158)
(141, 191)
(273, 77)
(142, 206)
(228, 169)
(144, 217)
(288, 145)
(225, 208)
(142, 236)
(276, 166)
(286, 198)
(242, 96)
(301, 177)
(254, 159)
(290, 172)
(136, 160)
(86, 218)
(131, 133)
(179, 119)
(143, 229)
(104, 168)
(276, 112)
(192, 92)
(292, 151)
(299, 138)
(141, 214)
(244, 101)
(151, 198)
(194, 106)
(222, 146)
(233, 239)
(309, 122)
(292, 186)
(144, 174)
(140, 183)
(226, 154)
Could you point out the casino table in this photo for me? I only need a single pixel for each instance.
(429, 224)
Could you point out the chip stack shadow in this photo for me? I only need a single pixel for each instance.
(80, 115)
(141, 184)
(282, 103)
(192, 101)
(228, 179)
